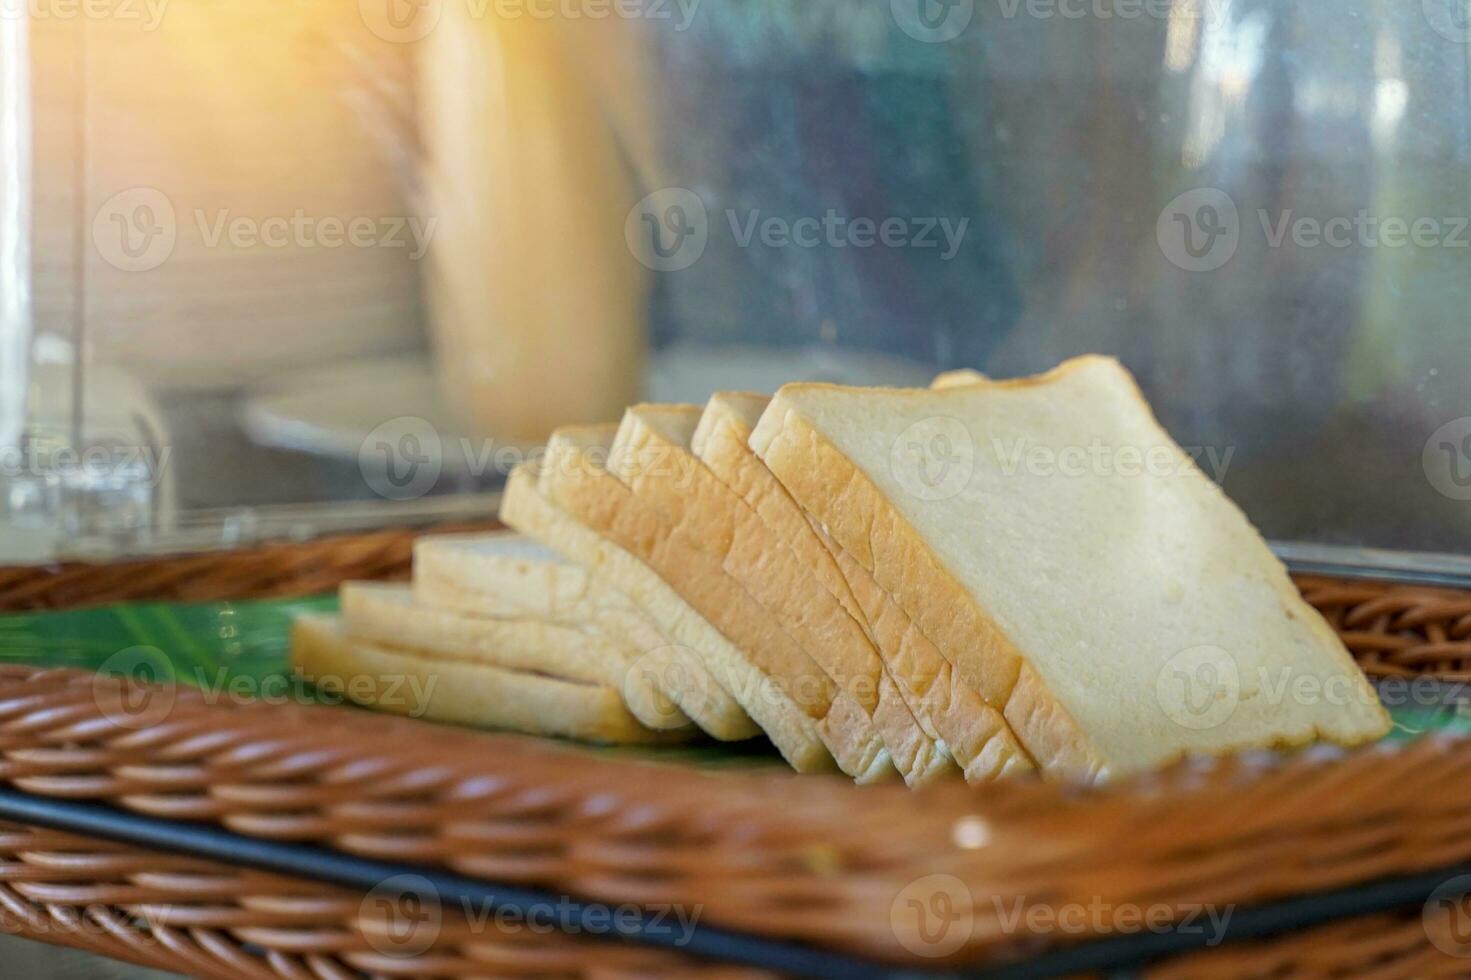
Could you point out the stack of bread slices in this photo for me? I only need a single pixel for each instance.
(975, 580)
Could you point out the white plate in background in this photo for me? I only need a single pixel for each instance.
(333, 411)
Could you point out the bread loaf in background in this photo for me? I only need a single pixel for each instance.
(539, 307)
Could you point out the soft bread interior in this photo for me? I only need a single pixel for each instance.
(501, 574)
(387, 614)
(495, 544)
(416, 685)
(787, 708)
(675, 423)
(1152, 611)
(914, 677)
(748, 584)
(664, 653)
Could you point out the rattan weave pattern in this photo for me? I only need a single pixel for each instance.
(798, 858)
(212, 921)
(1398, 630)
(1393, 946)
(280, 569)
(805, 858)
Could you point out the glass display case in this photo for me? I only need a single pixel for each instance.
(289, 289)
(278, 268)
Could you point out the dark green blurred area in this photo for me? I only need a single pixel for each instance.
(234, 651)
(241, 651)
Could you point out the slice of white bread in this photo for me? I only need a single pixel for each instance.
(669, 661)
(974, 732)
(386, 614)
(500, 573)
(419, 686)
(1073, 564)
(715, 518)
(389, 615)
(573, 478)
(722, 559)
(504, 574)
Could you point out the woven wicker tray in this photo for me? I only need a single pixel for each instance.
(281, 840)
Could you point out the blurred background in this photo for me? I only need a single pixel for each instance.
(285, 267)
(33, 961)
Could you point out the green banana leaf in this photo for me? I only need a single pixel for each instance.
(241, 649)
(233, 650)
